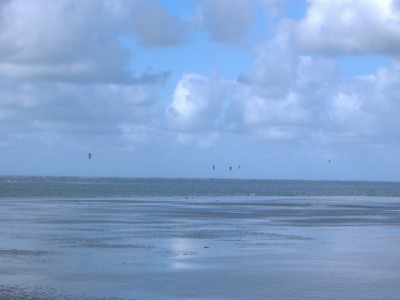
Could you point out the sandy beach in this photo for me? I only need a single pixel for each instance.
(200, 248)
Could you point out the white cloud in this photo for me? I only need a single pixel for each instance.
(228, 21)
(63, 71)
(197, 103)
(259, 110)
(283, 96)
(350, 27)
(275, 63)
(155, 27)
(369, 107)
(67, 41)
(253, 113)
(76, 111)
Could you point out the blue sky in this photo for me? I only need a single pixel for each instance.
(163, 88)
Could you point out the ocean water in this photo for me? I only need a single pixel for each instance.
(114, 238)
(85, 187)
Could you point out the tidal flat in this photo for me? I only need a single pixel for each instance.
(200, 248)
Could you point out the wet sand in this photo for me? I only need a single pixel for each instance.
(200, 248)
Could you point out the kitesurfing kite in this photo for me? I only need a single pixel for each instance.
(89, 155)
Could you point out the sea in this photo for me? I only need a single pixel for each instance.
(112, 187)
(109, 238)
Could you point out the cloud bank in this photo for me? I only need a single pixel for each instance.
(350, 27)
(64, 70)
(155, 27)
(87, 71)
(228, 21)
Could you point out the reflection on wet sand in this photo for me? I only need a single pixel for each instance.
(202, 248)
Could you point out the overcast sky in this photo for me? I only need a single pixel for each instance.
(169, 88)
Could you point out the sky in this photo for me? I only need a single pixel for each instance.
(302, 89)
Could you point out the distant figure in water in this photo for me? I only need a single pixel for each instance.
(230, 168)
(213, 167)
(89, 155)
